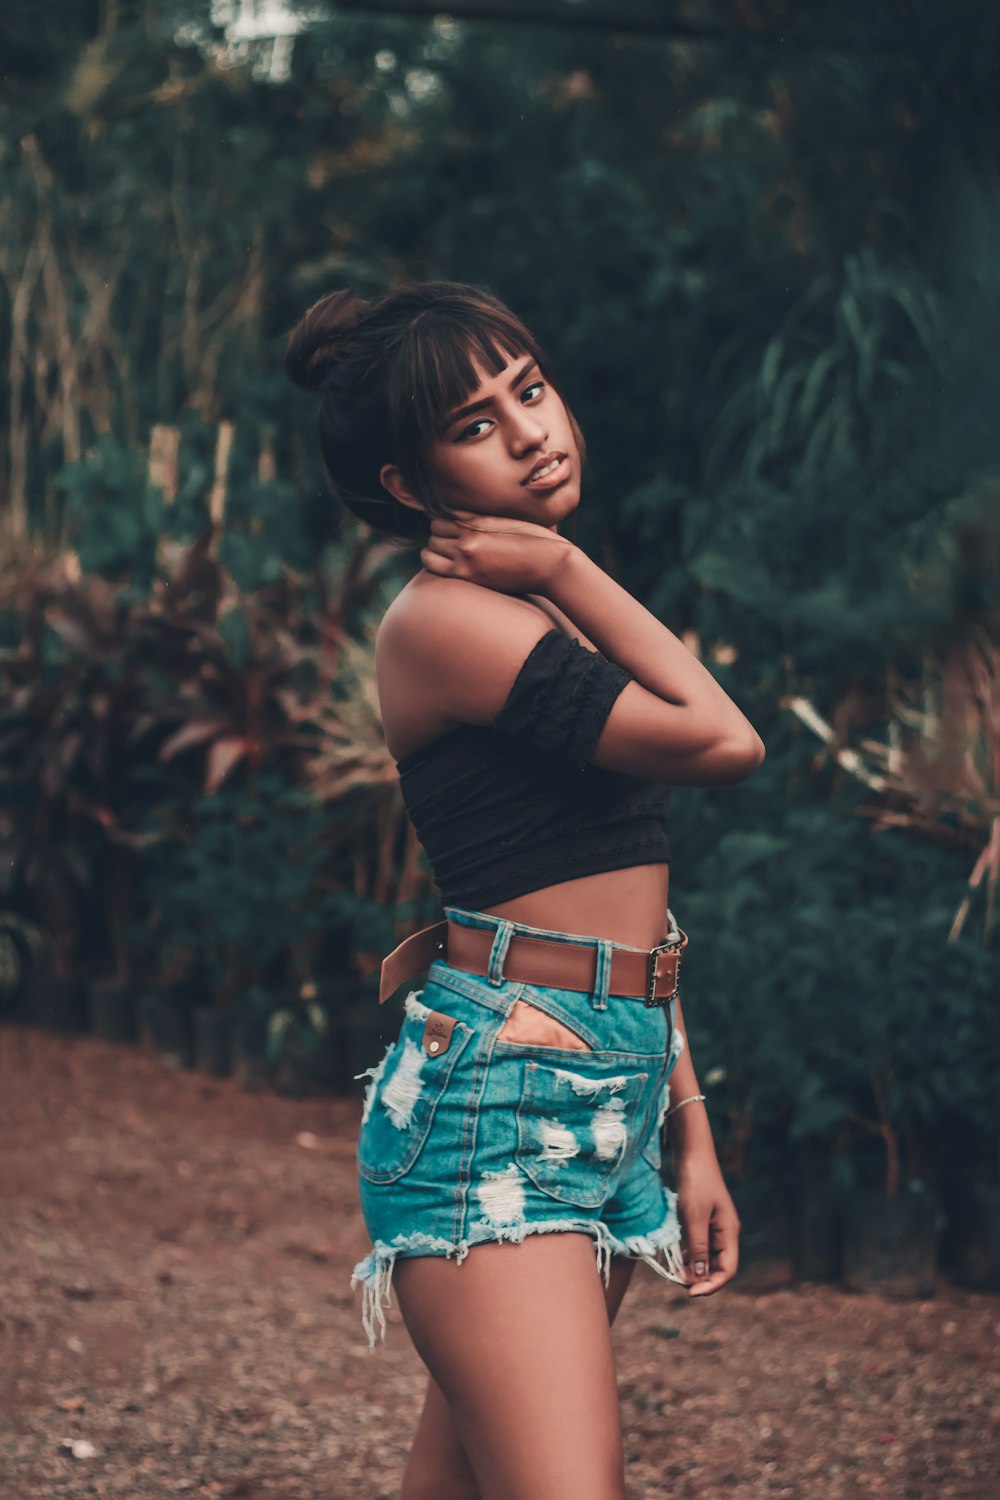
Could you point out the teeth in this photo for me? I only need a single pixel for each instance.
(547, 470)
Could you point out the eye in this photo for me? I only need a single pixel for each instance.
(470, 431)
(531, 394)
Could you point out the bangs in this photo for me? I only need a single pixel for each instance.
(436, 371)
(390, 376)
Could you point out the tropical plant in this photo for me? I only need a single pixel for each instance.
(825, 1003)
(237, 672)
(69, 729)
(233, 888)
(937, 772)
(298, 1021)
(113, 517)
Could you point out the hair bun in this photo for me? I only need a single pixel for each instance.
(322, 337)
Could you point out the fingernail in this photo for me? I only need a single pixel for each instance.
(700, 1269)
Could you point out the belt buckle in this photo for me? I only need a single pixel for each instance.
(650, 1001)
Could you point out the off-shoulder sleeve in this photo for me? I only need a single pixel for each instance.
(562, 697)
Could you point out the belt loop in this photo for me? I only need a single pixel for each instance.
(676, 1045)
(501, 942)
(602, 973)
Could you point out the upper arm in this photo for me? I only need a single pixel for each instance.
(660, 741)
(464, 649)
(645, 736)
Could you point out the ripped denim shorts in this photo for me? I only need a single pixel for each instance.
(467, 1137)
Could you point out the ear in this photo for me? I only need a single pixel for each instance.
(391, 478)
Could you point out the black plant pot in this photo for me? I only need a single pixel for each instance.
(249, 1044)
(113, 1010)
(890, 1244)
(57, 1004)
(166, 1025)
(977, 1257)
(147, 1005)
(361, 1032)
(301, 1073)
(819, 1229)
(213, 1040)
(18, 965)
(766, 1258)
(311, 1068)
(366, 1046)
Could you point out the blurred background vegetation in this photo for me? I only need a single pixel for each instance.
(761, 242)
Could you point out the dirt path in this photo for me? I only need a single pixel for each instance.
(174, 1264)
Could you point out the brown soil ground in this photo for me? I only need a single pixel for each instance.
(175, 1254)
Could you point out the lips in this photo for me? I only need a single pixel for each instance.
(548, 460)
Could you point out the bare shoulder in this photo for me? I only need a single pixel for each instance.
(433, 618)
(448, 652)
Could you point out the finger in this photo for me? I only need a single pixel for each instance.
(724, 1258)
(710, 1284)
(696, 1258)
(726, 1251)
(443, 526)
(443, 546)
(435, 563)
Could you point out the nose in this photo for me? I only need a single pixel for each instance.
(527, 431)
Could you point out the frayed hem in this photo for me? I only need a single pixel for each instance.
(665, 1240)
(374, 1273)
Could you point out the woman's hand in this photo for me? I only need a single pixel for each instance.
(709, 1222)
(513, 557)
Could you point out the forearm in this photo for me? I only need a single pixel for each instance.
(688, 1130)
(625, 632)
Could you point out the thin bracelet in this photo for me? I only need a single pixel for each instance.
(691, 1099)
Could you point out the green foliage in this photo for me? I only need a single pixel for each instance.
(73, 769)
(768, 276)
(302, 1023)
(114, 519)
(232, 884)
(827, 997)
(263, 535)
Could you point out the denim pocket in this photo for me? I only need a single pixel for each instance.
(575, 1131)
(403, 1095)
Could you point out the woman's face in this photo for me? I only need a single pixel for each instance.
(509, 449)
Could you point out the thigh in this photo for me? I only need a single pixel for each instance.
(438, 1467)
(517, 1339)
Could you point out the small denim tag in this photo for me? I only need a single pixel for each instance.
(438, 1030)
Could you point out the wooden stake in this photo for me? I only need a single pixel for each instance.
(217, 494)
(164, 447)
(161, 472)
(267, 464)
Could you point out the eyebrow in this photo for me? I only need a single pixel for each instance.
(465, 411)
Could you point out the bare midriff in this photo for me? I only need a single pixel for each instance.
(624, 906)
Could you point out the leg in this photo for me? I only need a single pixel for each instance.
(438, 1467)
(531, 1397)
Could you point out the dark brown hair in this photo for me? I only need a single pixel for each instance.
(388, 374)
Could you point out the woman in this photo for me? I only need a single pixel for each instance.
(510, 1145)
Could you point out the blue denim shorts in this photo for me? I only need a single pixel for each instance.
(468, 1138)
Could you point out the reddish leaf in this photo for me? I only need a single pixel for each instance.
(223, 756)
(195, 733)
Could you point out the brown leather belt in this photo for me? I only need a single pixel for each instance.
(650, 976)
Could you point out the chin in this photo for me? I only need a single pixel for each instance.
(564, 504)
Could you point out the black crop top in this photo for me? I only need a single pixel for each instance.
(507, 808)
